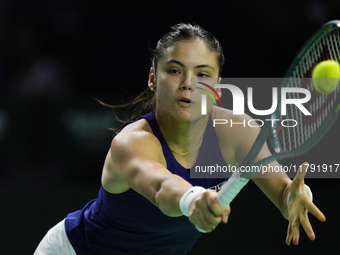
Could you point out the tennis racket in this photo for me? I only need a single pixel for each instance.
(289, 142)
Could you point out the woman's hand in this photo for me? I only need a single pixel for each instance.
(299, 206)
(206, 212)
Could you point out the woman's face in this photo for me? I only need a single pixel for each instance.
(175, 95)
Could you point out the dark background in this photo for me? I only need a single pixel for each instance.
(56, 56)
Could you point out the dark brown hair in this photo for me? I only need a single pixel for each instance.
(146, 102)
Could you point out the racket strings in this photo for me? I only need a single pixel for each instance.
(320, 105)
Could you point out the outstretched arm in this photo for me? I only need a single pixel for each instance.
(138, 163)
(277, 186)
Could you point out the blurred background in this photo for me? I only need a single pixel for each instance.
(57, 56)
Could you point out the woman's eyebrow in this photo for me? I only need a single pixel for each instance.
(203, 66)
(175, 62)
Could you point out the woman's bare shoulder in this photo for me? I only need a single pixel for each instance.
(233, 132)
(134, 142)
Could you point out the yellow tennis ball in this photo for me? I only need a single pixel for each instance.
(326, 76)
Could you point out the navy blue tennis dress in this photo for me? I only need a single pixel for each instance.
(129, 224)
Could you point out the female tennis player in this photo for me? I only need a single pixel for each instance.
(148, 204)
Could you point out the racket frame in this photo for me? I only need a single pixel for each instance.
(270, 130)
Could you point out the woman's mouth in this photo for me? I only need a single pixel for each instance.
(185, 102)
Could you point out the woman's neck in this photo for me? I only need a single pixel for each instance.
(182, 136)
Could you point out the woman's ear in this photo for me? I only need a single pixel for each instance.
(152, 79)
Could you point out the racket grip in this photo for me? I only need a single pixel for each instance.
(230, 190)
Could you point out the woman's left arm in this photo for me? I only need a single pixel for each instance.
(278, 187)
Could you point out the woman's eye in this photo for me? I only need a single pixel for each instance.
(203, 75)
(173, 71)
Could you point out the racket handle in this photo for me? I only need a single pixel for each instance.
(230, 190)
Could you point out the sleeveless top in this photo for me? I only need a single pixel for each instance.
(129, 224)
